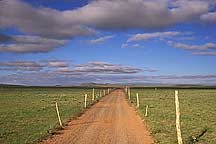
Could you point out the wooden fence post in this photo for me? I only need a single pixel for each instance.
(137, 96)
(104, 91)
(85, 103)
(57, 111)
(129, 94)
(93, 94)
(178, 129)
(146, 112)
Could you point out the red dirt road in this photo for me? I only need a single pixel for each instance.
(110, 121)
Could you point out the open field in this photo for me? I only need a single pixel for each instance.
(198, 114)
(28, 113)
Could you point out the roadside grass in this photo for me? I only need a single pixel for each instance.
(198, 114)
(27, 114)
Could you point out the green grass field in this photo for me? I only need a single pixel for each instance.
(198, 114)
(28, 114)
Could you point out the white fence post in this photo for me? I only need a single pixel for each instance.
(104, 91)
(129, 94)
(93, 94)
(137, 96)
(178, 129)
(85, 103)
(57, 111)
(146, 112)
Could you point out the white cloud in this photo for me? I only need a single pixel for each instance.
(147, 36)
(137, 13)
(25, 48)
(111, 14)
(21, 66)
(63, 67)
(206, 49)
(101, 68)
(24, 65)
(54, 26)
(127, 45)
(45, 22)
(206, 46)
(31, 44)
(57, 63)
(101, 39)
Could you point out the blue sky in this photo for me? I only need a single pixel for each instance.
(50, 42)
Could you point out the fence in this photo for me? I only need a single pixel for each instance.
(134, 97)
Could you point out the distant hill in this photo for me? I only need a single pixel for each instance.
(11, 85)
(106, 85)
(101, 85)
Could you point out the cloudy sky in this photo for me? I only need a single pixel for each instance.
(66, 42)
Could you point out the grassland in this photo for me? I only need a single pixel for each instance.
(198, 114)
(28, 113)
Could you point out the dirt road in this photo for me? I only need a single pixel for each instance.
(110, 121)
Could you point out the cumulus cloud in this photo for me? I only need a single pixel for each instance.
(32, 65)
(52, 72)
(41, 21)
(101, 39)
(63, 67)
(37, 39)
(31, 44)
(101, 68)
(21, 66)
(48, 24)
(36, 73)
(110, 14)
(147, 36)
(137, 13)
(55, 25)
(24, 48)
